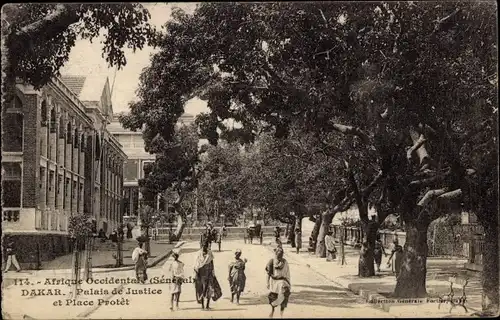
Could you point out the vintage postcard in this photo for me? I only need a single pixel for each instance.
(203, 160)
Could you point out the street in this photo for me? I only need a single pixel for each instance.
(312, 294)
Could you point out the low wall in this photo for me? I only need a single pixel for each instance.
(195, 232)
(31, 249)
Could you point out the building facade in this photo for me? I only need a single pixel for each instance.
(57, 160)
(137, 159)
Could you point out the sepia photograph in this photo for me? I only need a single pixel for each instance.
(232, 160)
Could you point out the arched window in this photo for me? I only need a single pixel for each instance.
(44, 114)
(13, 125)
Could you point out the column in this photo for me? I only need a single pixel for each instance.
(74, 195)
(81, 195)
(52, 190)
(61, 144)
(43, 138)
(60, 196)
(53, 141)
(42, 200)
(69, 150)
(76, 153)
(81, 162)
(67, 194)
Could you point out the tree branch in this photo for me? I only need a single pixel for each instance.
(432, 194)
(417, 144)
(351, 130)
(419, 147)
(63, 16)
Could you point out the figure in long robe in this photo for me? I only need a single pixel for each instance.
(237, 277)
(278, 281)
(206, 284)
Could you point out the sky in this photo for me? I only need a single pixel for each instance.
(85, 59)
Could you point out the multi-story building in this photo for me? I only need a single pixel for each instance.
(137, 159)
(58, 159)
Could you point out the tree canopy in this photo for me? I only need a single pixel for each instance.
(37, 37)
(410, 86)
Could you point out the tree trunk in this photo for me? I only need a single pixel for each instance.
(413, 272)
(366, 259)
(291, 234)
(87, 264)
(490, 275)
(148, 243)
(326, 220)
(75, 270)
(315, 231)
(179, 229)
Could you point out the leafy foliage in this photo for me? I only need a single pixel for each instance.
(40, 35)
(80, 226)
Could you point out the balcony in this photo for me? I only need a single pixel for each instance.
(11, 215)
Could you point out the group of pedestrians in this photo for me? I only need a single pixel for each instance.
(207, 286)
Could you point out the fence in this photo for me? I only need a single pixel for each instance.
(442, 240)
(195, 232)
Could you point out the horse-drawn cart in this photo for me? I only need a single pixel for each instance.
(253, 232)
(211, 236)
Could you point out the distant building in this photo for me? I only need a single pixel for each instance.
(58, 159)
(137, 159)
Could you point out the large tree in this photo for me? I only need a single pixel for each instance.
(222, 187)
(37, 37)
(175, 169)
(401, 78)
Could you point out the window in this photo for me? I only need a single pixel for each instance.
(12, 136)
(11, 184)
(42, 176)
(59, 182)
(131, 170)
(44, 114)
(75, 189)
(51, 180)
(66, 189)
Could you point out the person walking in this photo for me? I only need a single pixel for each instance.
(331, 250)
(278, 281)
(397, 253)
(298, 240)
(206, 284)
(140, 258)
(277, 236)
(129, 231)
(237, 277)
(377, 253)
(10, 249)
(175, 272)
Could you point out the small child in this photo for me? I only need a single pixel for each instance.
(176, 274)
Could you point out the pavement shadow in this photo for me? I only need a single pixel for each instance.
(323, 295)
(315, 295)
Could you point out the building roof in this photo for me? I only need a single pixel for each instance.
(87, 88)
(90, 90)
(74, 83)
